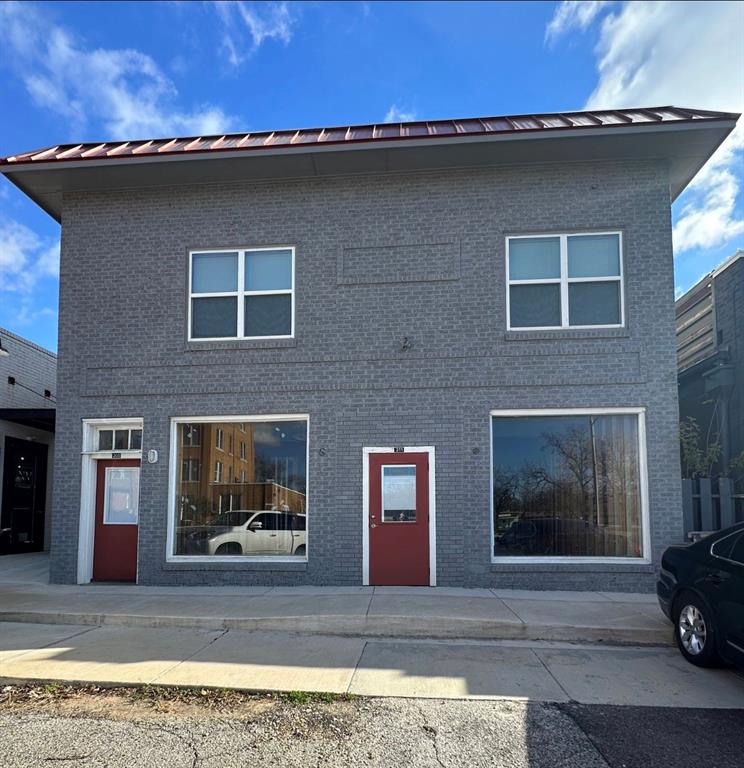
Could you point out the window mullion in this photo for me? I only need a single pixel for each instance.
(564, 281)
(241, 293)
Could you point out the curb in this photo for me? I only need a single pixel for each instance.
(444, 627)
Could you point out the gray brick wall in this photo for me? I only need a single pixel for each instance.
(123, 349)
(34, 369)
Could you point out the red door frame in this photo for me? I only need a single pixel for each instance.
(114, 545)
(399, 554)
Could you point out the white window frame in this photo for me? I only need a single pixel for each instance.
(564, 281)
(241, 293)
(170, 555)
(220, 439)
(640, 413)
(218, 472)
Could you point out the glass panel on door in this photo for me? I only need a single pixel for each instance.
(399, 494)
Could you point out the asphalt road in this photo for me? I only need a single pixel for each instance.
(369, 732)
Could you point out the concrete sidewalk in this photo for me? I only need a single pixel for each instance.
(517, 670)
(405, 612)
(356, 611)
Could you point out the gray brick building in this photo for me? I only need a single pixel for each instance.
(410, 354)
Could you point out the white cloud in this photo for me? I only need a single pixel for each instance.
(685, 54)
(123, 89)
(248, 25)
(25, 258)
(573, 14)
(397, 115)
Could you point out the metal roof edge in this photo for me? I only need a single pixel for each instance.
(7, 167)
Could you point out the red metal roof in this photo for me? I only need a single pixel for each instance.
(431, 129)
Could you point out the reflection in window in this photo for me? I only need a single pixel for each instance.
(399, 494)
(567, 486)
(252, 503)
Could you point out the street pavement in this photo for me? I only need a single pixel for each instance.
(380, 733)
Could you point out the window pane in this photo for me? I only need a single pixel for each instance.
(268, 315)
(535, 305)
(121, 439)
(135, 439)
(214, 318)
(106, 440)
(268, 270)
(593, 256)
(566, 486)
(121, 502)
(594, 303)
(398, 494)
(534, 258)
(212, 512)
(214, 272)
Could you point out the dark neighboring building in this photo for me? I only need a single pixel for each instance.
(28, 389)
(710, 356)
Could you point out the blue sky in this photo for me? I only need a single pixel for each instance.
(98, 71)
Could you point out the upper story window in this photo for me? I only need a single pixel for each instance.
(241, 294)
(564, 281)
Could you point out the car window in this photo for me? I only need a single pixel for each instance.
(231, 518)
(298, 522)
(268, 522)
(722, 548)
(283, 521)
(737, 551)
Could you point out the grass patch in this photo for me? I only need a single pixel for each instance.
(306, 697)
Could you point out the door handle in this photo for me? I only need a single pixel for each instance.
(272, 535)
(714, 578)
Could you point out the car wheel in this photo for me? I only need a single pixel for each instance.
(694, 631)
(230, 548)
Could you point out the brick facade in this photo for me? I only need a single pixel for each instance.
(400, 340)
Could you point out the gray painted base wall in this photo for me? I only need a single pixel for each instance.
(123, 349)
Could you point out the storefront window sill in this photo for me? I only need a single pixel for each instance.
(236, 566)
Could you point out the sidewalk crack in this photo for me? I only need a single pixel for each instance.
(549, 671)
(188, 658)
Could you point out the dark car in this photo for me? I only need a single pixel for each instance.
(701, 590)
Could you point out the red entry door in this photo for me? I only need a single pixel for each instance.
(399, 519)
(117, 511)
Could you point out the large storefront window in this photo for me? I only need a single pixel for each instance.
(567, 486)
(241, 489)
